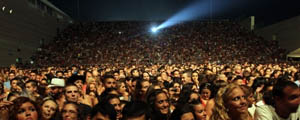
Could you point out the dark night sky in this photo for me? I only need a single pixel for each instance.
(266, 11)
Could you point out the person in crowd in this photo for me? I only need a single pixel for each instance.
(49, 109)
(231, 103)
(71, 111)
(183, 113)
(199, 110)
(24, 109)
(116, 103)
(103, 111)
(159, 106)
(205, 92)
(135, 110)
(286, 103)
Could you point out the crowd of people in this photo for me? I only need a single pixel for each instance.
(192, 71)
(133, 43)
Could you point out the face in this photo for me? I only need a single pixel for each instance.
(70, 112)
(116, 76)
(186, 79)
(205, 94)
(146, 76)
(236, 102)
(117, 106)
(78, 83)
(200, 112)
(195, 76)
(145, 86)
(193, 96)
(110, 83)
(32, 76)
(48, 109)
(122, 88)
(100, 116)
(27, 111)
(14, 84)
(251, 99)
(187, 116)
(164, 76)
(291, 99)
(72, 93)
(177, 74)
(135, 73)
(30, 87)
(162, 103)
(11, 76)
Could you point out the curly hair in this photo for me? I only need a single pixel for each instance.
(220, 112)
(18, 103)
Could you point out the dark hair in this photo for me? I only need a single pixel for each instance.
(258, 82)
(206, 85)
(11, 94)
(104, 109)
(18, 103)
(134, 109)
(178, 112)
(153, 113)
(33, 83)
(105, 77)
(279, 87)
(1, 88)
(184, 97)
(79, 114)
(247, 90)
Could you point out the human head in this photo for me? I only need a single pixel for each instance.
(186, 77)
(103, 111)
(72, 93)
(31, 86)
(230, 102)
(49, 109)
(183, 113)
(135, 110)
(71, 111)
(206, 91)
(159, 102)
(114, 100)
(109, 81)
(24, 108)
(286, 96)
(199, 110)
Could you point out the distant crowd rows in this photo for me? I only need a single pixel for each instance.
(132, 43)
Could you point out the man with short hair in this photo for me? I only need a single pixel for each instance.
(286, 95)
(186, 77)
(109, 81)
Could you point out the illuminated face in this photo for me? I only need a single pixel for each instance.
(30, 87)
(48, 109)
(162, 103)
(145, 86)
(69, 112)
(27, 111)
(146, 76)
(195, 76)
(72, 93)
(117, 106)
(205, 94)
(200, 112)
(122, 88)
(236, 102)
(110, 83)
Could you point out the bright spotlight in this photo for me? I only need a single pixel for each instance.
(154, 29)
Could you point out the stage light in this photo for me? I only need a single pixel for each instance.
(154, 29)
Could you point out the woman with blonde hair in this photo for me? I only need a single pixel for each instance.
(231, 103)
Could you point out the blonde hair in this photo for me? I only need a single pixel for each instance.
(220, 112)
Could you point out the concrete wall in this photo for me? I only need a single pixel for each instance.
(23, 29)
(286, 32)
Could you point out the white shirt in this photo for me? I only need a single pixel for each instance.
(267, 112)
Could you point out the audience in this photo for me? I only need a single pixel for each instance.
(114, 71)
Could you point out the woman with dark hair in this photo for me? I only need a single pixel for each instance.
(49, 109)
(187, 96)
(183, 113)
(199, 110)
(71, 111)
(159, 106)
(141, 90)
(23, 109)
(205, 92)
